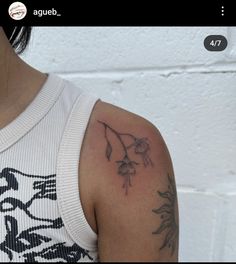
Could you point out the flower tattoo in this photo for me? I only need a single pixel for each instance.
(126, 166)
(142, 148)
(126, 169)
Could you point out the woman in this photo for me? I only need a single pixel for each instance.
(81, 179)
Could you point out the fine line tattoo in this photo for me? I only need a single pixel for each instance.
(168, 215)
(126, 166)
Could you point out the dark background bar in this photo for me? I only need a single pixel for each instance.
(118, 13)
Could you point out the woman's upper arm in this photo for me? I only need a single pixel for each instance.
(135, 197)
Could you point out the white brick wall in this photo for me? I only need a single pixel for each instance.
(166, 75)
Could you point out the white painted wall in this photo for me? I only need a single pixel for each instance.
(167, 76)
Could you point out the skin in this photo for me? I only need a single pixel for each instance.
(126, 223)
(19, 82)
(137, 222)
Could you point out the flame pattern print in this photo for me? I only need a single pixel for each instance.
(37, 241)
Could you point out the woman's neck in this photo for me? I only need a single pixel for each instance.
(19, 82)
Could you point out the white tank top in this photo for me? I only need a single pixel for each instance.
(41, 217)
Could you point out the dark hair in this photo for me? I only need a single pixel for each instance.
(18, 37)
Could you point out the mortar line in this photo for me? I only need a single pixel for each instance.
(220, 67)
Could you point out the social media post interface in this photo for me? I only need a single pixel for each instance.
(53, 13)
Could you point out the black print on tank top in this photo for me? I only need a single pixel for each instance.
(29, 239)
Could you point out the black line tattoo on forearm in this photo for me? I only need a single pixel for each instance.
(168, 214)
(126, 166)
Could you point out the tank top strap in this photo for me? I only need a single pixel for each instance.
(67, 173)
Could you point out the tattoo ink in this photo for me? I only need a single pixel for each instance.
(126, 166)
(167, 214)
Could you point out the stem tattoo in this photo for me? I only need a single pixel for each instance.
(126, 166)
(168, 215)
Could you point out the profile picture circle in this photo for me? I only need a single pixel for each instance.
(17, 10)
